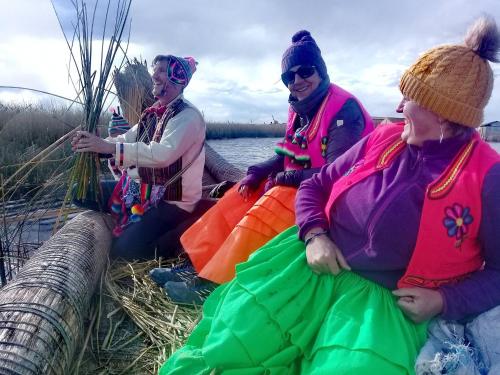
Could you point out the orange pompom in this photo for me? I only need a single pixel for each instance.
(137, 209)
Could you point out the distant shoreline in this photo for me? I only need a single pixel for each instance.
(229, 130)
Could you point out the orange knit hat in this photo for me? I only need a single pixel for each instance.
(456, 81)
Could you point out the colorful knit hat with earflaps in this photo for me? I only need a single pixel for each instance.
(118, 124)
(456, 81)
(181, 69)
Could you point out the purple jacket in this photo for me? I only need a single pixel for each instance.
(375, 223)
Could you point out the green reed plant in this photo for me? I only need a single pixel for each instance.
(34, 140)
(91, 62)
(35, 160)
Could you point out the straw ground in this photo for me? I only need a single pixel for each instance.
(133, 327)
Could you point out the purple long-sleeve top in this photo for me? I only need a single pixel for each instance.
(375, 223)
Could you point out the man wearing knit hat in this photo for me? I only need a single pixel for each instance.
(316, 105)
(162, 160)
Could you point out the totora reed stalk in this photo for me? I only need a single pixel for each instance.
(90, 82)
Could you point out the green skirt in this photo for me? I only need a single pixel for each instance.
(278, 317)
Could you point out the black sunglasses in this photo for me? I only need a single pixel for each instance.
(304, 71)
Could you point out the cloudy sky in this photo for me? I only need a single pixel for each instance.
(366, 45)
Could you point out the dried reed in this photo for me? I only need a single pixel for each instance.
(134, 89)
(135, 327)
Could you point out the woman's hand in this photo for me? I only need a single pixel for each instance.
(87, 142)
(270, 183)
(419, 304)
(323, 256)
(245, 191)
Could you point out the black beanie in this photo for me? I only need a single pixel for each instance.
(304, 51)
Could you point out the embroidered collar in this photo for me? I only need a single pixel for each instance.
(159, 109)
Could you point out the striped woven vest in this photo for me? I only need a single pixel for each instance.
(151, 129)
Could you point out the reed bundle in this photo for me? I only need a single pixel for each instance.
(42, 311)
(134, 89)
(92, 84)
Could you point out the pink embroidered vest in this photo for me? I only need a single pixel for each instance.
(308, 149)
(447, 247)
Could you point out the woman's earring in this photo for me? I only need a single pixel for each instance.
(442, 123)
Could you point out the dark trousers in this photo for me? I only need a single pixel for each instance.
(140, 240)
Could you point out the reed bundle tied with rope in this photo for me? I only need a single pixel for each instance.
(219, 168)
(42, 310)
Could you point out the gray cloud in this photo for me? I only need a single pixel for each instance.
(354, 36)
(366, 45)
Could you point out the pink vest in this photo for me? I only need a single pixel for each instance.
(308, 149)
(448, 247)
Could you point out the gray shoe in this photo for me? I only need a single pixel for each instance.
(182, 272)
(195, 291)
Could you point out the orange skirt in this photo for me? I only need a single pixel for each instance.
(233, 229)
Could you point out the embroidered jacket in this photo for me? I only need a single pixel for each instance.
(447, 247)
(180, 140)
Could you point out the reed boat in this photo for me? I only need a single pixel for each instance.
(44, 310)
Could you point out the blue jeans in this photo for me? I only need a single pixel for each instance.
(141, 240)
(471, 348)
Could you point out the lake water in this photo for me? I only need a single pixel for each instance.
(243, 152)
(496, 146)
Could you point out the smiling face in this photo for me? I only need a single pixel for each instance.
(164, 90)
(301, 88)
(420, 124)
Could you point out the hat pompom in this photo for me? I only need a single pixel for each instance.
(192, 63)
(483, 38)
(302, 35)
(117, 125)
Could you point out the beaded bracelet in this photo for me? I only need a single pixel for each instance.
(314, 235)
(121, 155)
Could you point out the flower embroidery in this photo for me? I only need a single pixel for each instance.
(457, 220)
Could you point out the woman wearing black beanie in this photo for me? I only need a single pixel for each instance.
(324, 121)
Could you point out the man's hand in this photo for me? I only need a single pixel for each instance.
(419, 304)
(323, 256)
(87, 142)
